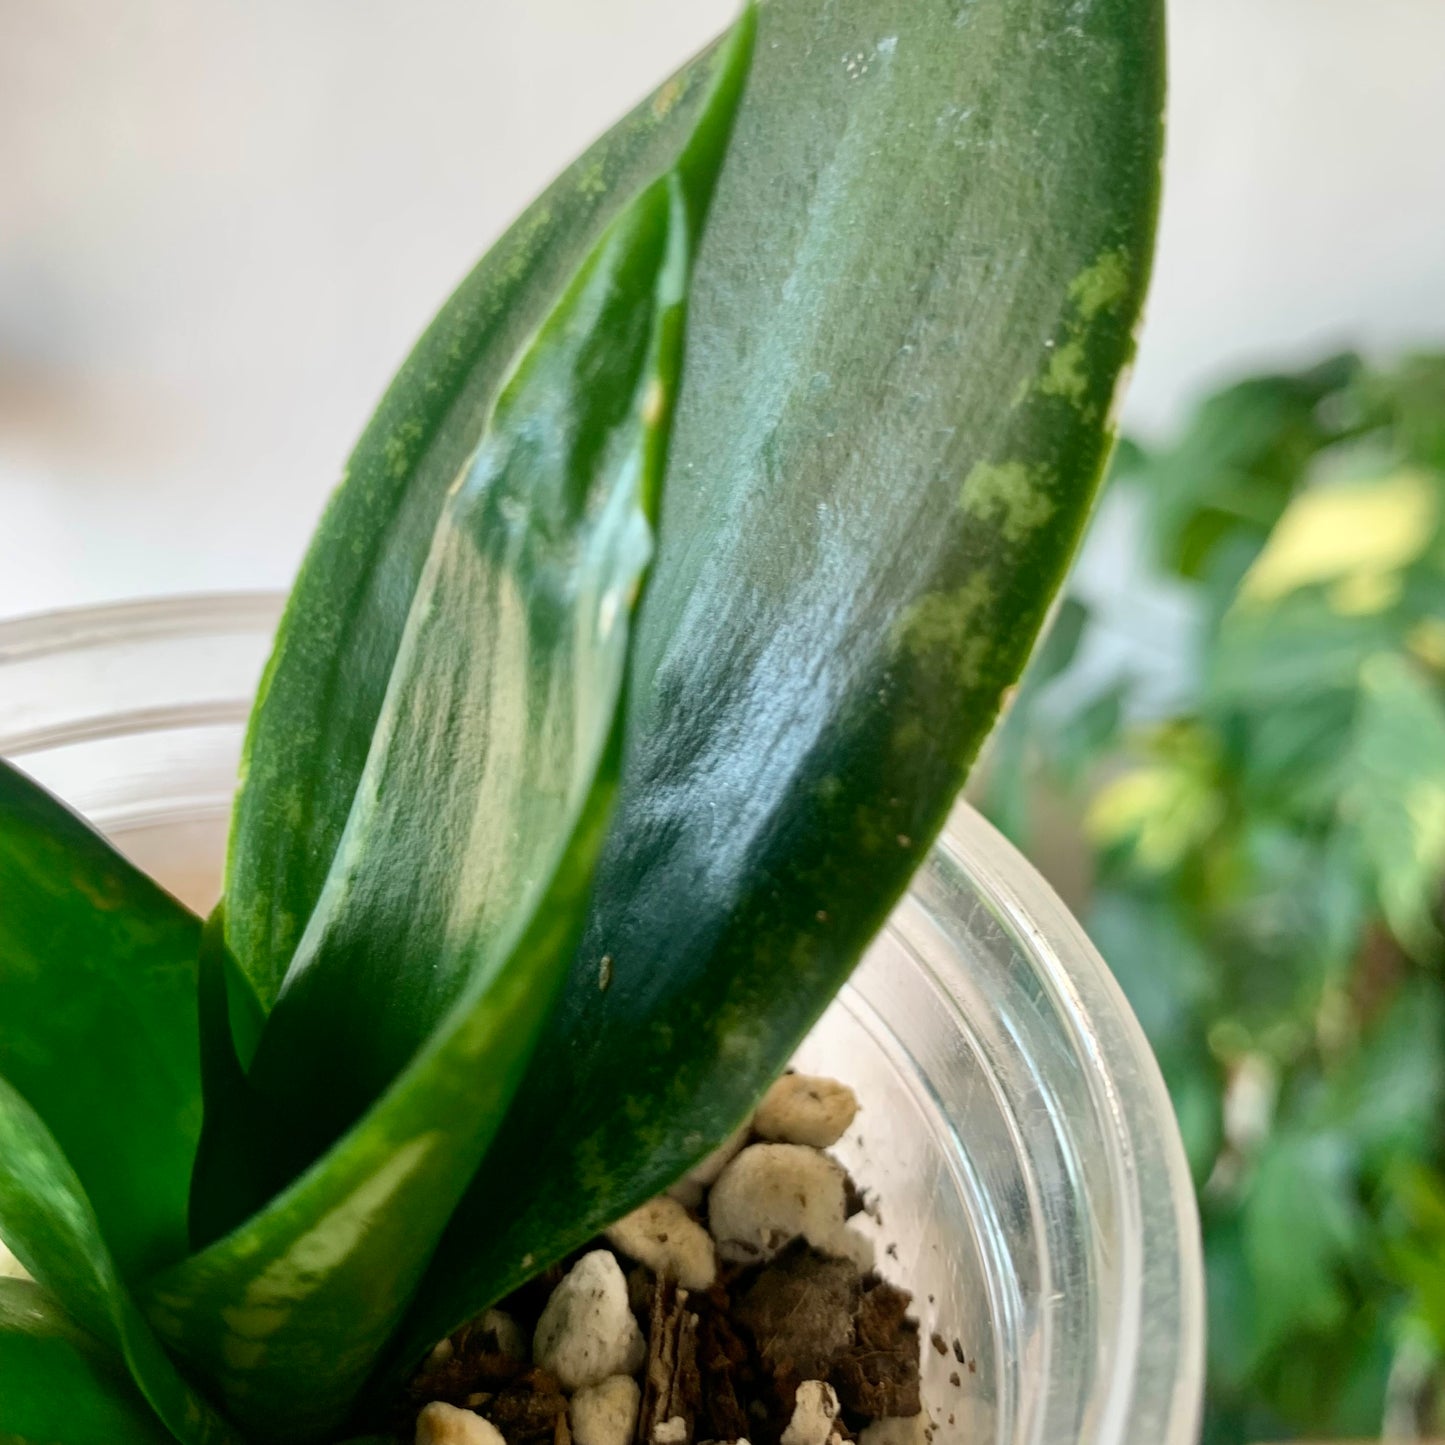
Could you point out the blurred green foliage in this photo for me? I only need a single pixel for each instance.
(1267, 844)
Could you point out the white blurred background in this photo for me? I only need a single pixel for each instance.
(223, 223)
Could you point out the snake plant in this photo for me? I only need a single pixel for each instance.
(658, 616)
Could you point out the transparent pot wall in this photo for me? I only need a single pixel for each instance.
(1033, 1192)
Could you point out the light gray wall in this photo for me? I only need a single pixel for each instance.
(1305, 189)
(222, 223)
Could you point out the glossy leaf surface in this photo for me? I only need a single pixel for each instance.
(98, 1017)
(911, 307)
(47, 1220)
(460, 885)
(58, 1386)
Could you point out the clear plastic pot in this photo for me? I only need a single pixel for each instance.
(1034, 1191)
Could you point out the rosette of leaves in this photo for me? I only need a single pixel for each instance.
(1265, 835)
(633, 667)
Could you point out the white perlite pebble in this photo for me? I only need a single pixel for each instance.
(813, 1414)
(10, 1267)
(511, 1338)
(800, 1109)
(443, 1424)
(855, 1245)
(896, 1430)
(772, 1193)
(606, 1414)
(690, 1189)
(672, 1431)
(587, 1331)
(688, 1193)
(668, 1240)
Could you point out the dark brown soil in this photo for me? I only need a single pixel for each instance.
(800, 1312)
(477, 1364)
(728, 1361)
(531, 1409)
(879, 1374)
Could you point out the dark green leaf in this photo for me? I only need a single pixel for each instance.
(1351, 1388)
(58, 1385)
(1298, 651)
(1057, 648)
(1394, 794)
(918, 283)
(1284, 921)
(1167, 976)
(1415, 1249)
(1083, 738)
(98, 1018)
(1224, 484)
(1290, 750)
(1302, 1225)
(1412, 394)
(1233, 1342)
(1332, 1381)
(47, 1220)
(1387, 1096)
(459, 888)
(1196, 1091)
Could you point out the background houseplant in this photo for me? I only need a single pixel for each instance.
(1265, 831)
